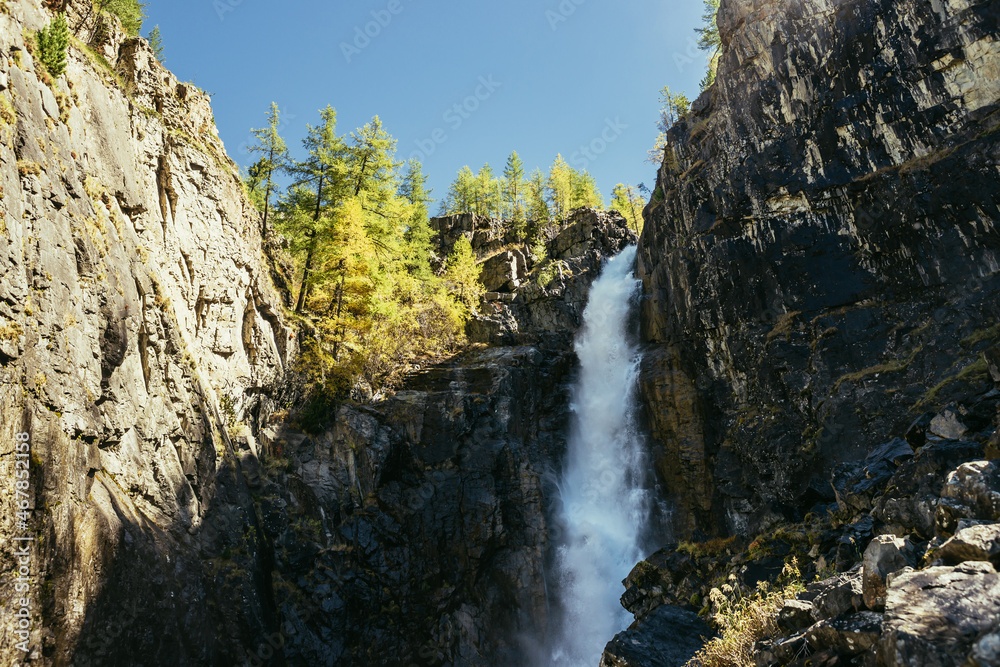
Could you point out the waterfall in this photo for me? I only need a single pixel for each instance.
(604, 503)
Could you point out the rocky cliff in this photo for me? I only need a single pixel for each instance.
(418, 530)
(138, 320)
(820, 263)
(820, 253)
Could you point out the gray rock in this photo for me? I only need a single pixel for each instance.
(848, 635)
(795, 615)
(972, 491)
(839, 594)
(885, 555)
(973, 543)
(501, 272)
(950, 423)
(934, 617)
(667, 637)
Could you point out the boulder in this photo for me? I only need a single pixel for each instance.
(669, 636)
(913, 493)
(795, 615)
(935, 617)
(847, 635)
(885, 555)
(972, 491)
(787, 649)
(974, 543)
(950, 423)
(501, 272)
(838, 595)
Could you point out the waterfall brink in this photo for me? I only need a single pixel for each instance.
(604, 505)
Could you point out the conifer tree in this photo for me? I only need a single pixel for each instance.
(513, 192)
(627, 201)
(462, 193)
(538, 207)
(584, 191)
(463, 273)
(372, 161)
(709, 40)
(487, 192)
(672, 108)
(324, 175)
(560, 186)
(53, 40)
(156, 43)
(418, 231)
(274, 157)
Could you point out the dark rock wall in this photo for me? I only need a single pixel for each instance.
(820, 254)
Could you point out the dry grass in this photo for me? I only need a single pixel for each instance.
(712, 547)
(745, 621)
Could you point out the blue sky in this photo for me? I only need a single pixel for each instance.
(454, 82)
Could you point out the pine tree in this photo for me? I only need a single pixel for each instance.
(462, 193)
(560, 186)
(513, 192)
(708, 33)
(709, 40)
(274, 157)
(372, 162)
(156, 43)
(487, 192)
(324, 175)
(131, 13)
(672, 108)
(418, 231)
(463, 274)
(584, 191)
(53, 40)
(627, 201)
(538, 207)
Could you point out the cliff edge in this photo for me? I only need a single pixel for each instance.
(138, 321)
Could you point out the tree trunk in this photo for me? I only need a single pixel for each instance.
(340, 304)
(307, 269)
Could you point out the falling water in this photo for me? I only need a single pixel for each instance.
(604, 506)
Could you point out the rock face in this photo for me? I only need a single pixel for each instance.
(813, 268)
(669, 637)
(935, 617)
(138, 322)
(549, 304)
(417, 530)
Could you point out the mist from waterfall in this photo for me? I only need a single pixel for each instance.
(604, 502)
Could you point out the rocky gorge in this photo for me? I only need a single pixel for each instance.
(821, 359)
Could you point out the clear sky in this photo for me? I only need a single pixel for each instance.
(455, 82)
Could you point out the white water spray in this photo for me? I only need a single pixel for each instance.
(604, 504)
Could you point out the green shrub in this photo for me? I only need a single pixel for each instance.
(53, 41)
(130, 12)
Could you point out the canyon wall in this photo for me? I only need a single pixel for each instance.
(820, 253)
(138, 318)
